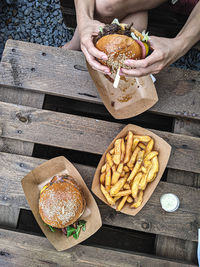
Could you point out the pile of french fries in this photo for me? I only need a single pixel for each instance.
(129, 166)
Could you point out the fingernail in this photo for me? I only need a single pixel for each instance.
(104, 57)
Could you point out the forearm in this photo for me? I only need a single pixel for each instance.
(84, 11)
(190, 33)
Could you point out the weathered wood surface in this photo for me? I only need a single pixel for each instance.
(169, 246)
(85, 134)
(175, 248)
(59, 72)
(9, 216)
(182, 224)
(18, 249)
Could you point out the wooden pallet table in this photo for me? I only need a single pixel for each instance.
(49, 106)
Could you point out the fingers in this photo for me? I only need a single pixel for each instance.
(88, 43)
(94, 63)
(94, 51)
(144, 63)
(139, 72)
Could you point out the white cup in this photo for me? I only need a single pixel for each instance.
(169, 202)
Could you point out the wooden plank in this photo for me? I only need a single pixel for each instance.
(8, 215)
(187, 127)
(85, 134)
(21, 97)
(182, 224)
(169, 246)
(19, 249)
(62, 72)
(175, 248)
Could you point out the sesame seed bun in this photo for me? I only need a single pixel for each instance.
(118, 44)
(61, 202)
(118, 48)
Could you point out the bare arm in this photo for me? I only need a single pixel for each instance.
(88, 27)
(190, 33)
(166, 50)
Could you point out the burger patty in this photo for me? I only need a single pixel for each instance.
(113, 29)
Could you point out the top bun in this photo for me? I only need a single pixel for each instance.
(118, 48)
(61, 202)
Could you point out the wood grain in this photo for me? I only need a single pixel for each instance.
(63, 72)
(169, 246)
(8, 215)
(18, 249)
(85, 134)
(182, 224)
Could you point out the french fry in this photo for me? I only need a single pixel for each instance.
(115, 177)
(107, 196)
(122, 174)
(109, 159)
(151, 155)
(134, 171)
(137, 166)
(143, 182)
(112, 151)
(116, 174)
(108, 177)
(117, 187)
(129, 199)
(143, 138)
(103, 168)
(142, 146)
(154, 169)
(127, 186)
(134, 187)
(149, 147)
(140, 155)
(117, 154)
(126, 169)
(116, 198)
(114, 168)
(102, 178)
(143, 169)
(123, 150)
(120, 167)
(121, 204)
(123, 193)
(135, 143)
(146, 163)
(138, 201)
(128, 147)
(133, 157)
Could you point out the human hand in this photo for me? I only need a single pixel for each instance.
(165, 52)
(87, 33)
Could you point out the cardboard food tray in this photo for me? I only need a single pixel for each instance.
(160, 145)
(132, 97)
(34, 181)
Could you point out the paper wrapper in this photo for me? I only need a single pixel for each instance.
(34, 181)
(160, 145)
(132, 97)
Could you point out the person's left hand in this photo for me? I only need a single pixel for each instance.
(165, 52)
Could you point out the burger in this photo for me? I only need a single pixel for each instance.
(61, 204)
(120, 42)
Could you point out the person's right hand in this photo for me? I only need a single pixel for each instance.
(87, 34)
